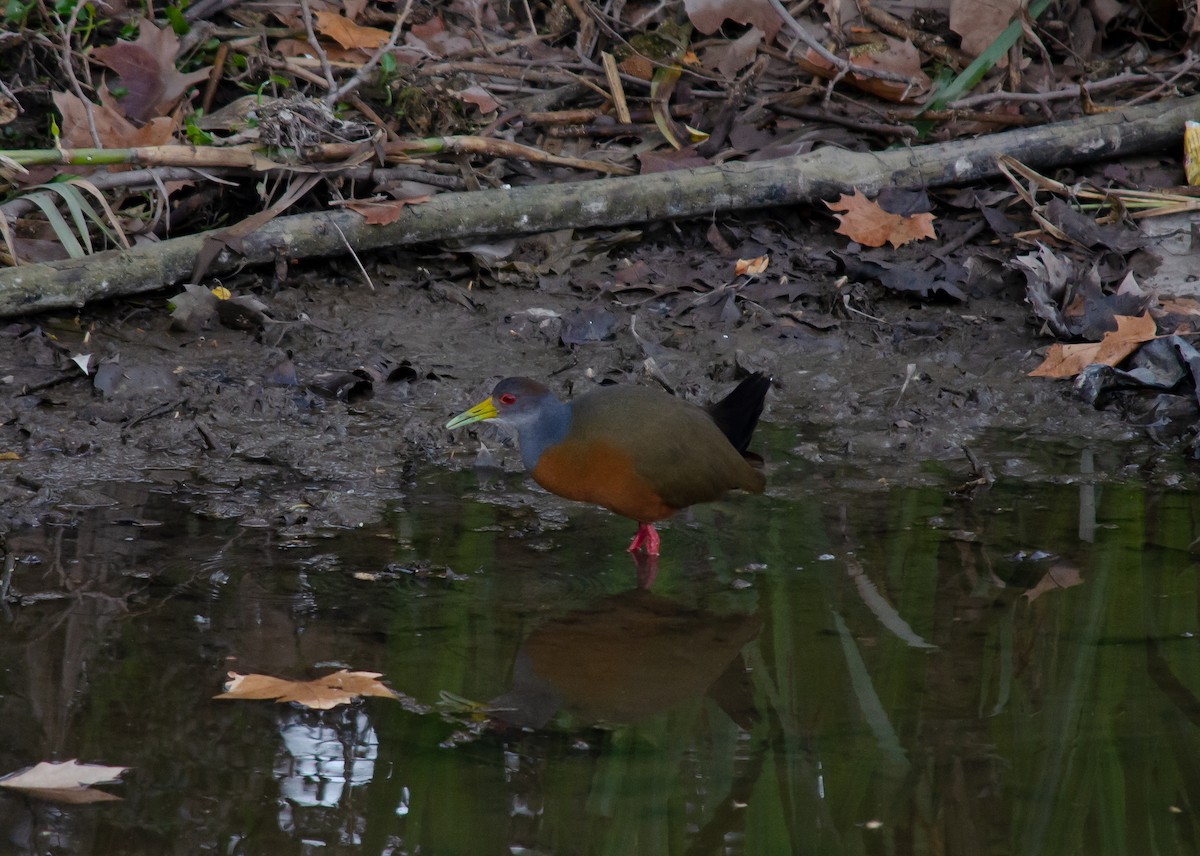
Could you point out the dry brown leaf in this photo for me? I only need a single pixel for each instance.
(1070, 360)
(479, 97)
(897, 56)
(841, 14)
(341, 687)
(868, 224)
(730, 57)
(147, 68)
(66, 781)
(709, 15)
(434, 37)
(1057, 576)
(114, 130)
(980, 22)
(888, 54)
(349, 34)
(110, 124)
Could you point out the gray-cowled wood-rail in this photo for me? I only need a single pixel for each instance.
(641, 453)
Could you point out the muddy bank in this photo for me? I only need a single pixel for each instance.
(317, 415)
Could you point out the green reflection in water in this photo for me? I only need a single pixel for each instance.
(819, 670)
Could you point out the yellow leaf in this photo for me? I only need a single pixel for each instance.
(1191, 152)
(744, 267)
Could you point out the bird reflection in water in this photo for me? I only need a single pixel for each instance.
(627, 657)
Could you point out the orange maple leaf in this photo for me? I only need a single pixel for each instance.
(868, 224)
(1070, 360)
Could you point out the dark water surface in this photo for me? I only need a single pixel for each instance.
(839, 667)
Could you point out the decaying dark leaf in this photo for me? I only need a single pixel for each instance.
(926, 283)
(193, 309)
(1087, 232)
(244, 312)
(1067, 296)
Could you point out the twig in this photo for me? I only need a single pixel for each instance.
(616, 91)
(814, 114)
(528, 17)
(1189, 61)
(293, 65)
(214, 78)
(844, 66)
(353, 83)
(69, 68)
(375, 119)
(354, 255)
(1067, 92)
(614, 130)
(315, 44)
(207, 8)
(512, 70)
(584, 115)
(1002, 119)
(931, 45)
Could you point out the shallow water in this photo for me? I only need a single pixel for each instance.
(838, 667)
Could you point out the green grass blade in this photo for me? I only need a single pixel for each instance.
(61, 230)
(75, 203)
(984, 63)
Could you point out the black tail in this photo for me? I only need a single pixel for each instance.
(737, 413)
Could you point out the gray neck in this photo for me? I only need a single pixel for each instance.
(542, 430)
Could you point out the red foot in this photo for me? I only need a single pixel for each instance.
(645, 539)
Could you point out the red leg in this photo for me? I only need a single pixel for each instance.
(646, 538)
(647, 570)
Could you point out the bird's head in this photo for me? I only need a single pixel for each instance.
(516, 401)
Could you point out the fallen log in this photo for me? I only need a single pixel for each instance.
(807, 178)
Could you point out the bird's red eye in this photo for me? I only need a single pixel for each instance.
(508, 398)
